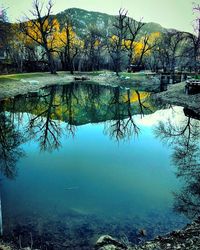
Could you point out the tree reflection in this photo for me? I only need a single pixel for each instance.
(68, 98)
(42, 127)
(10, 141)
(184, 139)
(122, 126)
(59, 110)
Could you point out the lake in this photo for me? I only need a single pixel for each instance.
(79, 161)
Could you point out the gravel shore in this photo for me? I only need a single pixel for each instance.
(13, 85)
(176, 95)
(186, 239)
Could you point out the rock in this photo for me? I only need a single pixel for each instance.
(106, 242)
(3, 247)
(143, 232)
(83, 78)
(34, 82)
(22, 80)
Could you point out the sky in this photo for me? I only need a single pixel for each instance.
(176, 14)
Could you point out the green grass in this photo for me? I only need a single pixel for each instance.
(94, 73)
(133, 76)
(21, 76)
(197, 77)
(125, 73)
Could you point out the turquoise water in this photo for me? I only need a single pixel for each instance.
(77, 170)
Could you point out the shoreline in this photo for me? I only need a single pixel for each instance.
(184, 239)
(20, 84)
(175, 95)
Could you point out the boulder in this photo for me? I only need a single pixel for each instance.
(106, 242)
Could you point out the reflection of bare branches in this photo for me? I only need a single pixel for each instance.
(122, 127)
(71, 129)
(130, 124)
(188, 203)
(69, 94)
(47, 132)
(43, 127)
(141, 104)
(184, 139)
(173, 134)
(10, 140)
(78, 104)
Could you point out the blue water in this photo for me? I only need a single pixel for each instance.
(92, 184)
(94, 173)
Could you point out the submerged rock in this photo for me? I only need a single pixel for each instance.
(106, 242)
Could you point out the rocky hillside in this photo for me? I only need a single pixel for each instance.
(83, 19)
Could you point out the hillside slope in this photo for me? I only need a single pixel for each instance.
(83, 19)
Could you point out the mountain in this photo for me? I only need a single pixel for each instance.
(83, 19)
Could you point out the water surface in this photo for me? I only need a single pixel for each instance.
(80, 160)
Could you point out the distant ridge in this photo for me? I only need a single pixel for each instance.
(83, 19)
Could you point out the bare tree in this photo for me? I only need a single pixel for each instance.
(115, 44)
(195, 40)
(3, 26)
(134, 28)
(5, 34)
(41, 29)
(70, 46)
(94, 40)
(169, 49)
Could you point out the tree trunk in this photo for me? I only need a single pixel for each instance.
(51, 63)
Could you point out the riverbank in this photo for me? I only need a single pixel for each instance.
(185, 239)
(19, 84)
(176, 95)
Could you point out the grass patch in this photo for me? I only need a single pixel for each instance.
(197, 77)
(94, 73)
(23, 75)
(133, 76)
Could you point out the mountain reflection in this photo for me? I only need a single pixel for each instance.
(184, 137)
(78, 104)
(42, 115)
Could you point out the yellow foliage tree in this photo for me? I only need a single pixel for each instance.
(142, 47)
